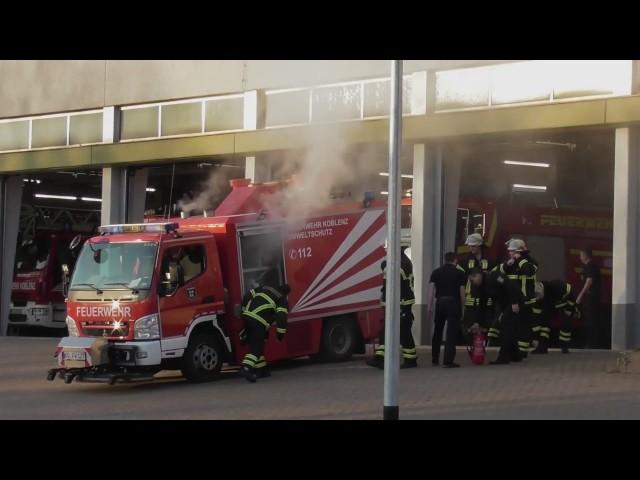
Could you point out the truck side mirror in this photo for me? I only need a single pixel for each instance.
(65, 279)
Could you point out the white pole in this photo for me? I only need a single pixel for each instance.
(392, 302)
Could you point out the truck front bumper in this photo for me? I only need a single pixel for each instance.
(90, 359)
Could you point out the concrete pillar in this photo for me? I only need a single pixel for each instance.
(11, 202)
(114, 195)
(426, 231)
(256, 169)
(626, 261)
(137, 197)
(452, 169)
(111, 124)
(418, 98)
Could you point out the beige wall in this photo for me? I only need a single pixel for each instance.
(32, 87)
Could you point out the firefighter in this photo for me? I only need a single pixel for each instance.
(554, 296)
(520, 271)
(262, 306)
(505, 293)
(407, 299)
(589, 297)
(477, 307)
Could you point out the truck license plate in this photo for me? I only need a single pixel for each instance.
(77, 356)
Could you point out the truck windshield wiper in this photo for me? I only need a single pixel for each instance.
(88, 285)
(125, 285)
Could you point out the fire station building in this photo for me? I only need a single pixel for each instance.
(546, 151)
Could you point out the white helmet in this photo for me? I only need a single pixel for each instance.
(474, 240)
(516, 244)
(407, 252)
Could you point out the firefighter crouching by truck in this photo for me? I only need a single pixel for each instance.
(555, 296)
(262, 306)
(407, 299)
(478, 308)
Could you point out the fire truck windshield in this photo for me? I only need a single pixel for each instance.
(32, 255)
(115, 266)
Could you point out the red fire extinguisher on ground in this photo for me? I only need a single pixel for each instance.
(477, 350)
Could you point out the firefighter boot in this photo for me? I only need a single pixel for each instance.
(409, 363)
(248, 373)
(542, 348)
(264, 372)
(376, 361)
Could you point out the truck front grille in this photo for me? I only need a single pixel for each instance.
(105, 329)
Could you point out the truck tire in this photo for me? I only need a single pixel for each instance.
(202, 359)
(339, 339)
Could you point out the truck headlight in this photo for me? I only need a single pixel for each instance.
(72, 327)
(147, 328)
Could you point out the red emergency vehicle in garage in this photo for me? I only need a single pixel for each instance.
(154, 296)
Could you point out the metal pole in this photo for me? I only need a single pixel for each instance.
(392, 307)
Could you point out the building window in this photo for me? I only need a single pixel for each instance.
(289, 107)
(49, 132)
(139, 123)
(14, 135)
(341, 102)
(85, 128)
(182, 118)
(224, 114)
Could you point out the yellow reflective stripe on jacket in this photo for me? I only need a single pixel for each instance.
(268, 299)
(484, 264)
(460, 268)
(257, 318)
(411, 301)
(281, 330)
(282, 310)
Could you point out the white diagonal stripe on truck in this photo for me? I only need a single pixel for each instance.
(375, 241)
(368, 218)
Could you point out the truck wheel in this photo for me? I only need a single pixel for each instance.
(339, 339)
(202, 359)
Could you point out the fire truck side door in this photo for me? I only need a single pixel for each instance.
(180, 304)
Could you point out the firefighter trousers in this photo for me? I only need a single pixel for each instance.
(542, 328)
(509, 351)
(447, 311)
(494, 321)
(406, 337)
(589, 310)
(256, 336)
(524, 326)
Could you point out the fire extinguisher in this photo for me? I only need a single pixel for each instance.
(477, 350)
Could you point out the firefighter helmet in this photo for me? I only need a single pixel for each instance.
(517, 245)
(474, 240)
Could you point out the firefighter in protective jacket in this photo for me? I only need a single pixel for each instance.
(407, 299)
(262, 306)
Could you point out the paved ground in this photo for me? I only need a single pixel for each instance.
(575, 386)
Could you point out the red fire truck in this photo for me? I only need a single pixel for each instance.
(36, 297)
(154, 296)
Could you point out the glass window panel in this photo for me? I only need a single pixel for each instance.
(139, 123)
(49, 132)
(287, 108)
(182, 118)
(85, 128)
(14, 135)
(224, 114)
